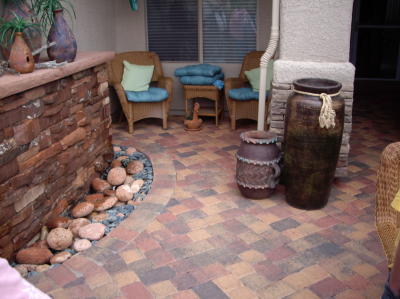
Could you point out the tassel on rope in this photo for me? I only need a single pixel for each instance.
(327, 114)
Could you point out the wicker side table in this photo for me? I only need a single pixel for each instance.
(209, 92)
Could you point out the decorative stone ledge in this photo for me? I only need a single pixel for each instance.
(12, 84)
(54, 129)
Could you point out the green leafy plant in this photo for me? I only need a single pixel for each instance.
(44, 9)
(9, 28)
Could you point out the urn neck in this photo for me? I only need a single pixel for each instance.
(317, 85)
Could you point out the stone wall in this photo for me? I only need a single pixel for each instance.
(51, 138)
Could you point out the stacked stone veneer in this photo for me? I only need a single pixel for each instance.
(51, 136)
(280, 95)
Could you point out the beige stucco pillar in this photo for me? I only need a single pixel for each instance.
(314, 42)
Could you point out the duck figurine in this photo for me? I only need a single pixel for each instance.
(194, 124)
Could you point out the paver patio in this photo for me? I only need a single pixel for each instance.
(195, 236)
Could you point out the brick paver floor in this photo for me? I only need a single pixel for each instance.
(195, 236)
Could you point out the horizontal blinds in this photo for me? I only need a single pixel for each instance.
(173, 29)
(229, 29)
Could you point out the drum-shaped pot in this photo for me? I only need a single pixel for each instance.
(257, 169)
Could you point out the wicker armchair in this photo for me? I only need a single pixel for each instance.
(242, 109)
(135, 111)
(388, 184)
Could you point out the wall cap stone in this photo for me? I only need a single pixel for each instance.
(12, 84)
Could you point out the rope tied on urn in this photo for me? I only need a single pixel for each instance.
(327, 114)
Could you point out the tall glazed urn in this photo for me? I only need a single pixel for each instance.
(257, 169)
(313, 136)
(32, 35)
(66, 47)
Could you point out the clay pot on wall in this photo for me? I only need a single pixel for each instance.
(21, 59)
(66, 47)
(33, 36)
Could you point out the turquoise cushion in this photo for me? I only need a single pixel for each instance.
(201, 80)
(204, 69)
(243, 94)
(154, 94)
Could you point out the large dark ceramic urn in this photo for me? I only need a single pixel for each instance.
(66, 47)
(257, 169)
(311, 152)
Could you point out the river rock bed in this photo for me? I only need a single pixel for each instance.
(122, 185)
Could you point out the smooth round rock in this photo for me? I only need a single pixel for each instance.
(100, 185)
(60, 238)
(81, 245)
(116, 176)
(131, 150)
(34, 255)
(93, 198)
(82, 209)
(129, 180)
(58, 221)
(135, 188)
(139, 182)
(116, 163)
(60, 257)
(93, 231)
(124, 193)
(76, 224)
(42, 268)
(98, 217)
(121, 158)
(134, 167)
(22, 270)
(106, 203)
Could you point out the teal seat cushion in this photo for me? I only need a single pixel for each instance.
(243, 94)
(154, 94)
(207, 70)
(201, 80)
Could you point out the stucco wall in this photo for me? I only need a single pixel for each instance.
(315, 30)
(94, 27)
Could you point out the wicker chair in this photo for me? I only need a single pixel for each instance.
(135, 111)
(388, 184)
(243, 109)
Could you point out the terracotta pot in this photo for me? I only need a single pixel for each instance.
(311, 152)
(21, 59)
(33, 35)
(257, 169)
(65, 48)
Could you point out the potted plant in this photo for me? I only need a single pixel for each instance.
(11, 32)
(32, 34)
(51, 16)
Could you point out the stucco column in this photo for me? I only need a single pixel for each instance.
(314, 42)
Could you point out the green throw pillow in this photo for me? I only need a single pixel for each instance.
(254, 77)
(136, 77)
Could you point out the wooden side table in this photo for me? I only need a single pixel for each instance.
(209, 92)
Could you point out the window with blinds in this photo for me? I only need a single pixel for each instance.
(172, 28)
(228, 29)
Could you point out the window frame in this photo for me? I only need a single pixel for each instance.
(200, 53)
